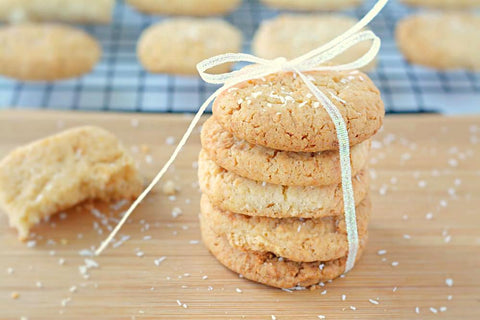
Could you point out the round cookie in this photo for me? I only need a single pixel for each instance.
(277, 167)
(444, 4)
(303, 240)
(266, 268)
(69, 11)
(177, 45)
(441, 40)
(185, 7)
(46, 52)
(304, 33)
(234, 193)
(308, 5)
(280, 112)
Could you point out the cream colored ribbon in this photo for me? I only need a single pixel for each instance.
(311, 61)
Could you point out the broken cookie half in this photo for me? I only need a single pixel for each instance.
(63, 170)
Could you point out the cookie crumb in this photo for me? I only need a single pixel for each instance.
(176, 212)
(15, 295)
(144, 148)
(169, 188)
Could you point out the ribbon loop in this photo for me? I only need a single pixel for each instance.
(315, 62)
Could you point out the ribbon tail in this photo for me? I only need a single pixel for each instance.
(160, 174)
(346, 170)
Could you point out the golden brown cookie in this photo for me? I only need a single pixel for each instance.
(290, 36)
(60, 171)
(46, 52)
(303, 240)
(274, 166)
(185, 7)
(444, 4)
(279, 111)
(177, 45)
(234, 193)
(76, 11)
(266, 268)
(447, 40)
(309, 5)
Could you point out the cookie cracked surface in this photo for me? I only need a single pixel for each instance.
(234, 193)
(269, 269)
(60, 171)
(274, 166)
(280, 112)
(302, 240)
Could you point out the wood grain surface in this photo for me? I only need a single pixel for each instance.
(426, 196)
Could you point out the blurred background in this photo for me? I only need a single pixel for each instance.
(119, 83)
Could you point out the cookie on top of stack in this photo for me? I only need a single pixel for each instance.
(269, 170)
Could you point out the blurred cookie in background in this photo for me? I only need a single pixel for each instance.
(290, 36)
(185, 7)
(178, 44)
(306, 5)
(75, 11)
(46, 52)
(443, 4)
(441, 40)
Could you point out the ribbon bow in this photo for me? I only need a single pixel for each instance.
(311, 61)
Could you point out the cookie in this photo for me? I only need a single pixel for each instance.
(308, 5)
(74, 11)
(269, 269)
(185, 7)
(273, 166)
(441, 40)
(60, 171)
(177, 45)
(444, 4)
(303, 240)
(46, 52)
(279, 111)
(234, 193)
(291, 36)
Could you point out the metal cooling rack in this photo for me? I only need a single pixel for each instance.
(119, 83)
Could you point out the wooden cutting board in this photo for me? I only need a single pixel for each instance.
(426, 195)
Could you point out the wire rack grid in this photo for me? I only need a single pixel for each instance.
(118, 82)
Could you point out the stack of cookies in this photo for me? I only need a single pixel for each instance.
(269, 170)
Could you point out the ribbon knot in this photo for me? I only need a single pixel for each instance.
(312, 61)
(281, 63)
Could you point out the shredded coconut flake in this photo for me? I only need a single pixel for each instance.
(159, 260)
(449, 282)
